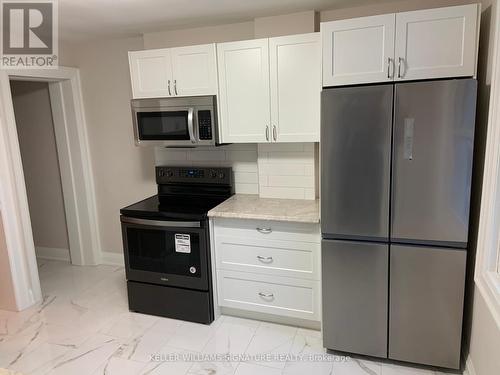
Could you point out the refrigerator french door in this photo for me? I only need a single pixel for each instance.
(396, 165)
(356, 165)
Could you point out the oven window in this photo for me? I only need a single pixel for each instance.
(163, 125)
(166, 252)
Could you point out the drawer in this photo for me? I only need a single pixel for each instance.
(271, 257)
(271, 230)
(296, 298)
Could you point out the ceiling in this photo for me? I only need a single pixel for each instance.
(90, 19)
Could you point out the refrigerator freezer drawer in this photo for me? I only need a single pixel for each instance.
(355, 297)
(356, 126)
(426, 305)
(432, 161)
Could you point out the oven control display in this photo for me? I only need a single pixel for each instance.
(183, 243)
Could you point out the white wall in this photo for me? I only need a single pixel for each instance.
(123, 173)
(37, 142)
(484, 346)
(287, 24)
(199, 35)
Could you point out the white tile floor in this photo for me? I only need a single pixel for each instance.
(83, 326)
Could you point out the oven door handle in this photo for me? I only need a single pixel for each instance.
(160, 223)
(191, 124)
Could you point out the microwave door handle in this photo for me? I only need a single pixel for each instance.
(190, 124)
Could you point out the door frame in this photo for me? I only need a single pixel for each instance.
(76, 177)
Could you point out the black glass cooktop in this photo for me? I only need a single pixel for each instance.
(175, 207)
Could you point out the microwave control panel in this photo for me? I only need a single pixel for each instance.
(205, 125)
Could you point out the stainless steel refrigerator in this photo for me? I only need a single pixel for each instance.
(396, 166)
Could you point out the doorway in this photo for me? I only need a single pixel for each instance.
(77, 212)
(42, 176)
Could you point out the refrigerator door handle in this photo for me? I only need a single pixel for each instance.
(409, 129)
(401, 61)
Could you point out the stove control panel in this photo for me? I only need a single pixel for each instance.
(195, 175)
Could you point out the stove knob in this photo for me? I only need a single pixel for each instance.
(221, 175)
(213, 174)
(161, 173)
(170, 173)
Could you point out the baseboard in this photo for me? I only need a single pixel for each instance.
(52, 253)
(469, 366)
(112, 259)
(309, 324)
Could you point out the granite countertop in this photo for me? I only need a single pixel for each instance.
(246, 206)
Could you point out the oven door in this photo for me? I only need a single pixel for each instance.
(173, 253)
(164, 126)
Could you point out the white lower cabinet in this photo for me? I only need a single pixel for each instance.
(295, 298)
(268, 267)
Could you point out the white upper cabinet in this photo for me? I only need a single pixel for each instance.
(359, 50)
(183, 71)
(194, 70)
(151, 73)
(270, 89)
(437, 43)
(295, 74)
(423, 44)
(244, 108)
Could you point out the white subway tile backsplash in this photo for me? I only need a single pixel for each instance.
(246, 177)
(246, 188)
(266, 168)
(286, 170)
(272, 170)
(291, 181)
(281, 192)
(294, 158)
(241, 157)
(310, 193)
(207, 155)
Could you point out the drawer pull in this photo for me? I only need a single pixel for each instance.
(266, 295)
(264, 230)
(265, 259)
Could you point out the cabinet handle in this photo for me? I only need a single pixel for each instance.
(267, 133)
(169, 93)
(400, 60)
(175, 87)
(265, 259)
(266, 295)
(274, 133)
(264, 230)
(390, 62)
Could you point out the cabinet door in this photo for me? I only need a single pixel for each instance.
(295, 71)
(244, 91)
(359, 50)
(151, 73)
(194, 70)
(426, 305)
(436, 43)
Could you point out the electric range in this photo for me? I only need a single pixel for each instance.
(166, 242)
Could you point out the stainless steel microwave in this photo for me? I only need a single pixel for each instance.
(175, 122)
